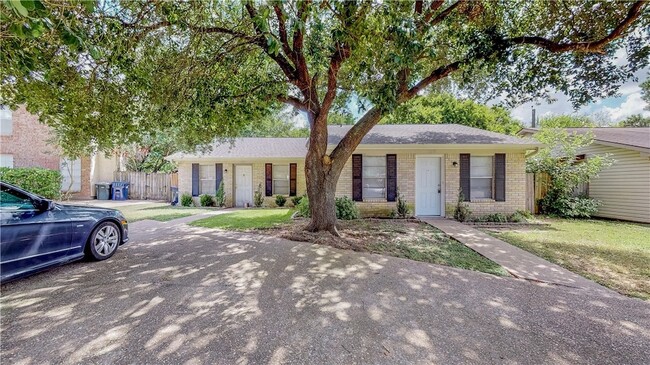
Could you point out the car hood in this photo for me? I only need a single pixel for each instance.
(87, 209)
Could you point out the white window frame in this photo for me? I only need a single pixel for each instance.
(6, 121)
(472, 178)
(210, 177)
(366, 164)
(71, 175)
(282, 179)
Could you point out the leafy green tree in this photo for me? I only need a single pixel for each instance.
(446, 109)
(559, 159)
(102, 73)
(645, 93)
(148, 155)
(566, 121)
(636, 120)
(274, 126)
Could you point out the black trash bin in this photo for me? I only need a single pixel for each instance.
(103, 191)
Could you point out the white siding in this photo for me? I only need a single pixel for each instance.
(624, 187)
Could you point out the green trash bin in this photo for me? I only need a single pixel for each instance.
(103, 191)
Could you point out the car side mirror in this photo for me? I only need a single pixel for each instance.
(44, 205)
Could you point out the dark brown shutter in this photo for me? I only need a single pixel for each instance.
(218, 173)
(357, 183)
(195, 179)
(292, 178)
(465, 176)
(391, 178)
(269, 179)
(500, 177)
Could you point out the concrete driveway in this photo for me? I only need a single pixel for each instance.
(183, 295)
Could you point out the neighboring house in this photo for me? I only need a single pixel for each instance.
(624, 187)
(427, 163)
(25, 142)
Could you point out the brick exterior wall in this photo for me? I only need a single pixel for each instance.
(185, 179)
(515, 184)
(31, 145)
(29, 142)
(515, 187)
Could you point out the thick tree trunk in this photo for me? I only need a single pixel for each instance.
(321, 189)
(322, 171)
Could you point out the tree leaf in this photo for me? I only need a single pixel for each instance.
(18, 8)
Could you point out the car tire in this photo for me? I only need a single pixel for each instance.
(103, 241)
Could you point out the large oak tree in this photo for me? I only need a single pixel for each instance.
(104, 73)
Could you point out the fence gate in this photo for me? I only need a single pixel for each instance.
(536, 188)
(145, 186)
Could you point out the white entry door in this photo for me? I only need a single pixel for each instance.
(427, 185)
(243, 186)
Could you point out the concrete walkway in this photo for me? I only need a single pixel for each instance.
(519, 263)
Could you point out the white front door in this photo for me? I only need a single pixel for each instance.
(243, 186)
(427, 185)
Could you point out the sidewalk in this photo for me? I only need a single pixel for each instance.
(516, 261)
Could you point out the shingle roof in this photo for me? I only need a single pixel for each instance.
(380, 134)
(632, 137)
(252, 148)
(429, 134)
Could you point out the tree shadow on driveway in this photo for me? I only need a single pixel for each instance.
(186, 295)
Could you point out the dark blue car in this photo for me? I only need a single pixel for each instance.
(36, 233)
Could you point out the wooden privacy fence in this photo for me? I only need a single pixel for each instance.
(145, 186)
(536, 188)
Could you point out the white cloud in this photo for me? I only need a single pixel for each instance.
(627, 104)
(633, 104)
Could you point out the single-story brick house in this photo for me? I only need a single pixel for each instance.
(427, 163)
(624, 187)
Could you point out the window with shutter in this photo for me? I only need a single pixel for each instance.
(281, 179)
(374, 177)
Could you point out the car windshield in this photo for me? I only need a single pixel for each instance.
(14, 200)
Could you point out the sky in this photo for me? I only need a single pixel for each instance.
(615, 109)
(618, 108)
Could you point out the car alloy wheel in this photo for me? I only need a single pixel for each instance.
(105, 240)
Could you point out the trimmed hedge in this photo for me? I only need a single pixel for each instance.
(44, 182)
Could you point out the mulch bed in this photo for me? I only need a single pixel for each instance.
(354, 235)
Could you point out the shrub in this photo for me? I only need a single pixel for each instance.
(462, 211)
(569, 206)
(346, 209)
(296, 200)
(206, 200)
(258, 197)
(220, 196)
(44, 182)
(280, 200)
(520, 216)
(186, 200)
(303, 207)
(402, 208)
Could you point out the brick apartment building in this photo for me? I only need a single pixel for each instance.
(25, 142)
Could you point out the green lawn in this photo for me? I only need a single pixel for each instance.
(161, 212)
(614, 254)
(246, 219)
(419, 242)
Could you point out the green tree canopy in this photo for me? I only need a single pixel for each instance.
(102, 73)
(446, 109)
(636, 120)
(566, 121)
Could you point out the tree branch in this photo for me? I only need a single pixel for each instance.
(282, 31)
(595, 46)
(294, 102)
